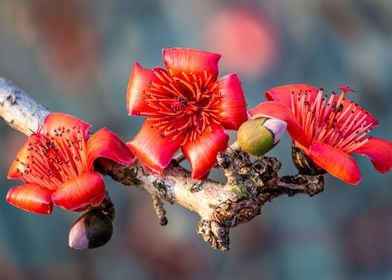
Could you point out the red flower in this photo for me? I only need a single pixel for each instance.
(57, 166)
(185, 106)
(327, 130)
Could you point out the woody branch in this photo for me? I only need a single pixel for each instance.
(249, 185)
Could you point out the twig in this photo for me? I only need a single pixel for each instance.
(159, 210)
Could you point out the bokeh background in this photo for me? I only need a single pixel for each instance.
(76, 56)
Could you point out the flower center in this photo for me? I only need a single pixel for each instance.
(336, 121)
(185, 104)
(54, 158)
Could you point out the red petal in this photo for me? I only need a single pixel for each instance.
(191, 61)
(104, 143)
(379, 151)
(153, 150)
(16, 165)
(32, 198)
(81, 192)
(202, 152)
(140, 80)
(283, 93)
(277, 110)
(58, 120)
(233, 104)
(335, 162)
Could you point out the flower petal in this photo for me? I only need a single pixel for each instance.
(54, 121)
(335, 162)
(153, 150)
(283, 93)
(191, 61)
(32, 198)
(81, 192)
(233, 104)
(18, 165)
(140, 80)
(277, 110)
(104, 143)
(202, 152)
(380, 153)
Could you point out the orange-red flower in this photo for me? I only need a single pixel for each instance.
(57, 165)
(185, 106)
(327, 130)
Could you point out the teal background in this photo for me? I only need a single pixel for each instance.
(76, 56)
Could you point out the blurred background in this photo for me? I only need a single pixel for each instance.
(76, 56)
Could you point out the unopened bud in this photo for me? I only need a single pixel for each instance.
(93, 229)
(260, 135)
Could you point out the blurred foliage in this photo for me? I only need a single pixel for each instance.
(75, 56)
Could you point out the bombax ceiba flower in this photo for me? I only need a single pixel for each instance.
(57, 165)
(185, 106)
(327, 129)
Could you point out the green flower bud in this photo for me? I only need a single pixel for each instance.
(260, 135)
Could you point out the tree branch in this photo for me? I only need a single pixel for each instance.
(18, 109)
(250, 183)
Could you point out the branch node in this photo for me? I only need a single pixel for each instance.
(236, 212)
(215, 234)
(198, 186)
(164, 190)
(235, 164)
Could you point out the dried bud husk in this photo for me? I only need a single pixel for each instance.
(260, 135)
(93, 229)
(304, 164)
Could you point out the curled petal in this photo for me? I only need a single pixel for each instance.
(283, 93)
(54, 121)
(202, 152)
(191, 61)
(153, 150)
(233, 105)
(140, 80)
(380, 153)
(81, 192)
(335, 162)
(277, 110)
(104, 143)
(32, 198)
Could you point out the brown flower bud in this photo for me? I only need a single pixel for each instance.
(93, 229)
